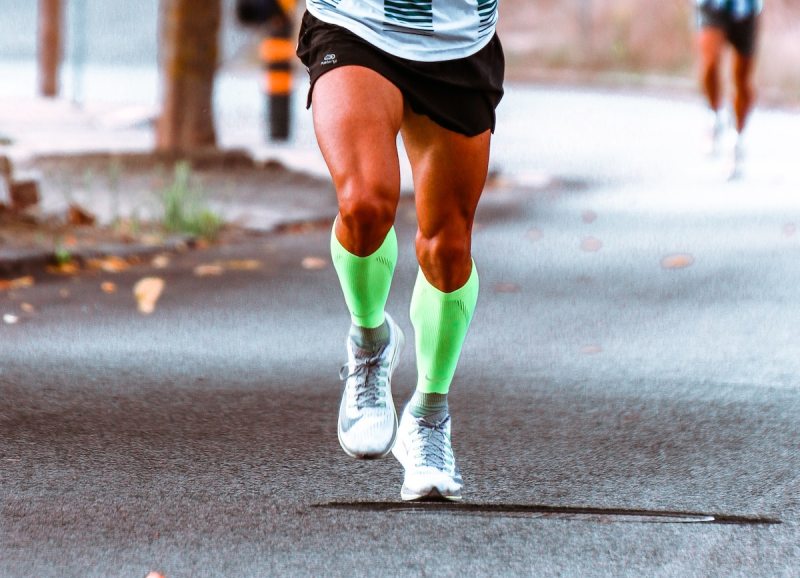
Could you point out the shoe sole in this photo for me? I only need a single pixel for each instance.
(392, 366)
(433, 496)
(371, 456)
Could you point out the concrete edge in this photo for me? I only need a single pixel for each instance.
(21, 262)
(35, 261)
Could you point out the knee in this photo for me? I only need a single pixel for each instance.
(709, 69)
(445, 257)
(366, 210)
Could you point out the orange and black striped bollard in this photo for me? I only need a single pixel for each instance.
(277, 54)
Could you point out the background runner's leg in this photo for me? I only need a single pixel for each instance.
(710, 43)
(744, 94)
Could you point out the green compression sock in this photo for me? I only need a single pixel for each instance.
(440, 323)
(365, 280)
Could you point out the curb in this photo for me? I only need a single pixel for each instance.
(18, 263)
(27, 261)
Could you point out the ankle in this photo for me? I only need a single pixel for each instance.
(370, 338)
(425, 405)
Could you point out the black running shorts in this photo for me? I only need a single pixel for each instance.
(740, 33)
(461, 95)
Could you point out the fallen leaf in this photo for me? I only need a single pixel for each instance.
(151, 239)
(789, 229)
(27, 308)
(18, 283)
(589, 217)
(313, 263)
(147, 291)
(155, 575)
(160, 261)
(208, 270)
(68, 268)
(64, 293)
(10, 319)
(506, 288)
(77, 215)
(243, 265)
(109, 264)
(677, 261)
(108, 287)
(592, 349)
(591, 244)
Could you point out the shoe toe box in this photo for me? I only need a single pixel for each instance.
(422, 481)
(369, 435)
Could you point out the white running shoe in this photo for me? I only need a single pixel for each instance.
(734, 154)
(717, 123)
(367, 418)
(425, 452)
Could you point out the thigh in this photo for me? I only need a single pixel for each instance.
(449, 171)
(357, 116)
(710, 41)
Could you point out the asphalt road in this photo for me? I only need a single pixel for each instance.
(600, 388)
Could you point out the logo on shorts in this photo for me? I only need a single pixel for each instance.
(329, 59)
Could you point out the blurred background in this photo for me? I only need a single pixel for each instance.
(110, 48)
(629, 40)
(117, 78)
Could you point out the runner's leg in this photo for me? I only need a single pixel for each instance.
(357, 116)
(449, 174)
(711, 39)
(710, 42)
(744, 93)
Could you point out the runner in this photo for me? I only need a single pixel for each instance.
(734, 22)
(433, 73)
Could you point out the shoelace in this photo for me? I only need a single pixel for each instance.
(367, 390)
(432, 444)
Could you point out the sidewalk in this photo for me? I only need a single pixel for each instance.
(97, 156)
(595, 138)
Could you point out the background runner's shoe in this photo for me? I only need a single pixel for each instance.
(425, 451)
(733, 155)
(367, 418)
(717, 124)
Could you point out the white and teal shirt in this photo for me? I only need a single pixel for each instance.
(422, 30)
(739, 9)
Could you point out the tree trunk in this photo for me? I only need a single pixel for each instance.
(49, 52)
(188, 61)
